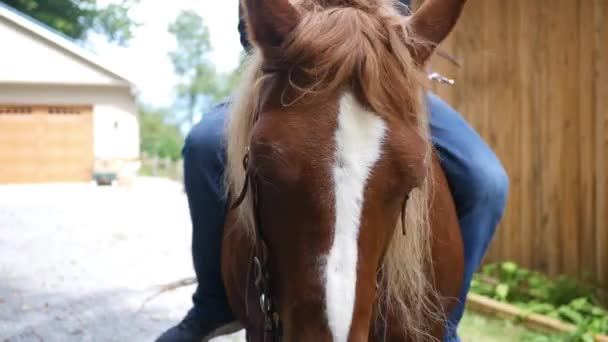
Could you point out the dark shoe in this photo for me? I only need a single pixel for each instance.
(194, 329)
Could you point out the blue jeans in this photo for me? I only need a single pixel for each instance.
(478, 182)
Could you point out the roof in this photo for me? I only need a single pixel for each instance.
(59, 40)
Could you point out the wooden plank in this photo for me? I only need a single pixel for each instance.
(551, 152)
(586, 139)
(509, 147)
(568, 185)
(529, 120)
(544, 237)
(601, 138)
(559, 94)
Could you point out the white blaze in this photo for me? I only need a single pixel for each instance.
(359, 138)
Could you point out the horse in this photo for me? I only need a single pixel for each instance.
(342, 227)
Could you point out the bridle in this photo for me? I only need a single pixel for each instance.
(272, 323)
(273, 331)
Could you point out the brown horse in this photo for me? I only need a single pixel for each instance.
(332, 129)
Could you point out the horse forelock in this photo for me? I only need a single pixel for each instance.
(364, 48)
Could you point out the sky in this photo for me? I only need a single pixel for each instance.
(145, 61)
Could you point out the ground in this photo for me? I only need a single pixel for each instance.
(78, 262)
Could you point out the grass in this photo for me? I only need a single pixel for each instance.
(477, 328)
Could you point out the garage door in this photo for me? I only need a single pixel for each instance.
(45, 144)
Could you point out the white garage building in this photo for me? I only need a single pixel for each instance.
(64, 115)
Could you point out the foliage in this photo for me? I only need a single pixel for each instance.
(191, 63)
(162, 167)
(200, 84)
(114, 22)
(159, 137)
(77, 18)
(563, 298)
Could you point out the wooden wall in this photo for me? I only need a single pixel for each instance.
(534, 83)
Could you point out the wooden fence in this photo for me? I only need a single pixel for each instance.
(534, 83)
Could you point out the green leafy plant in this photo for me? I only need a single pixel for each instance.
(78, 18)
(564, 298)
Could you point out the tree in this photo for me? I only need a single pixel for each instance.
(77, 18)
(190, 62)
(159, 137)
(200, 84)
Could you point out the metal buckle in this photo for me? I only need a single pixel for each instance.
(265, 304)
(258, 272)
(246, 158)
(435, 76)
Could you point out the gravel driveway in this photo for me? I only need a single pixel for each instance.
(78, 261)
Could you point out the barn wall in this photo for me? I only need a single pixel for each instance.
(534, 83)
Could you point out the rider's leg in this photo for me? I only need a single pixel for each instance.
(479, 185)
(204, 159)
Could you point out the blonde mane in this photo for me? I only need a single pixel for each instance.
(362, 44)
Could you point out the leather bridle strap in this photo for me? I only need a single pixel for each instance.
(407, 197)
(243, 194)
(272, 325)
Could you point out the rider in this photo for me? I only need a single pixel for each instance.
(478, 182)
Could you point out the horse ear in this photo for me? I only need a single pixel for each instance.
(431, 24)
(269, 21)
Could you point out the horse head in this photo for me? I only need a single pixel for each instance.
(333, 117)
